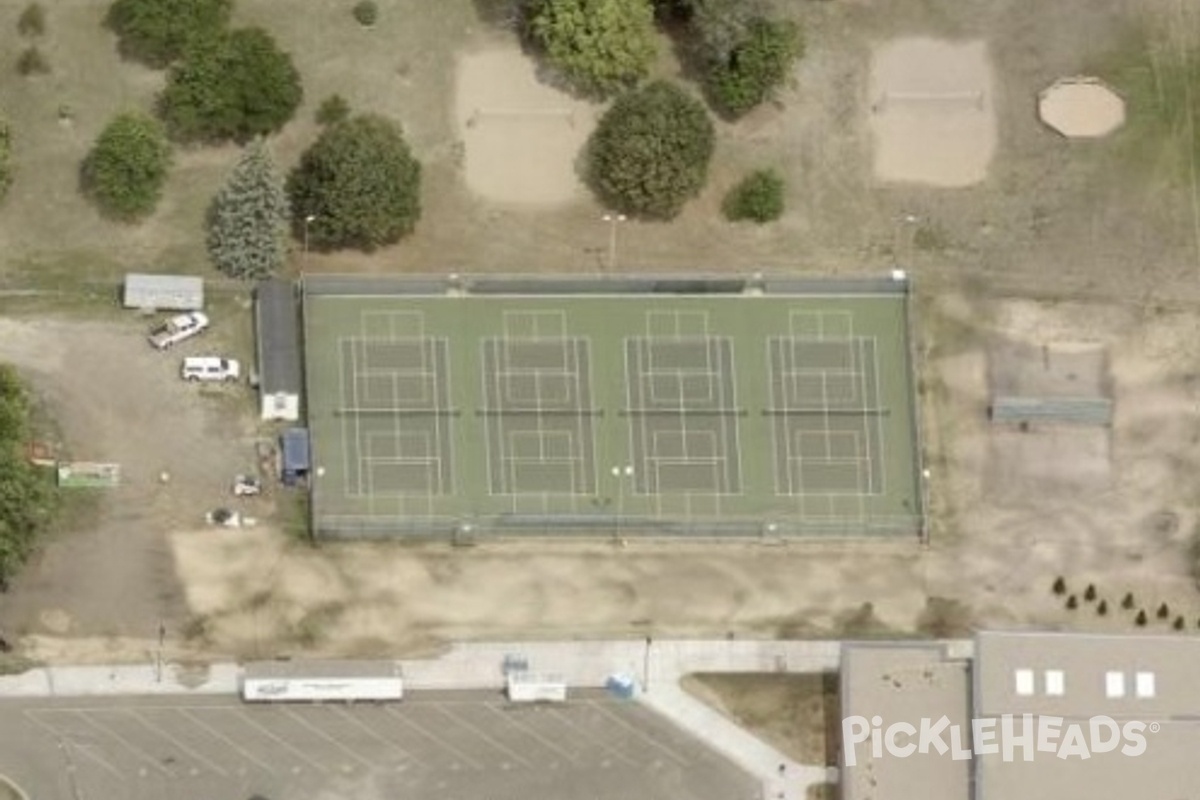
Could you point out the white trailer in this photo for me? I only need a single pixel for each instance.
(528, 687)
(321, 681)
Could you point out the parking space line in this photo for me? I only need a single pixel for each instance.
(433, 738)
(137, 751)
(232, 745)
(482, 734)
(374, 734)
(64, 738)
(587, 735)
(305, 759)
(533, 734)
(676, 757)
(191, 753)
(327, 737)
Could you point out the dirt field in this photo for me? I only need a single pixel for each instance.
(1104, 247)
(800, 715)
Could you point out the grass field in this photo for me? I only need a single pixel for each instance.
(786, 413)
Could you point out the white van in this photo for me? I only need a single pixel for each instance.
(210, 368)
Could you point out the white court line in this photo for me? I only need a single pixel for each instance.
(154, 728)
(482, 734)
(237, 748)
(878, 418)
(586, 734)
(293, 715)
(346, 403)
(667, 751)
(62, 738)
(530, 732)
(367, 729)
(304, 757)
(446, 475)
(420, 729)
(357, 421)
(775, 419)
(137, 751)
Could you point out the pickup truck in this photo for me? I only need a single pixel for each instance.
(176, 329)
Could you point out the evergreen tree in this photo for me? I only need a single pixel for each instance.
(248, 221)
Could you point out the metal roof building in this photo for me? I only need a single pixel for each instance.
(164, 292)
(277, 328)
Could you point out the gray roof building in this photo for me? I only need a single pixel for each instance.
(164, 292)
(1143, 683)
(904, 682)
(278, 331)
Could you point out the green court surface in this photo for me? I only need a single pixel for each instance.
(627, 413)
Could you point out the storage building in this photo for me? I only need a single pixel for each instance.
(164, 292)
(278, 337)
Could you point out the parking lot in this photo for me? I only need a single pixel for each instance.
(433, 746)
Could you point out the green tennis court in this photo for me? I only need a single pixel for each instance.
(569, 407)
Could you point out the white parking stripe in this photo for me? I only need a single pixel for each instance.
(232, 745)
(137, 751)
(433, 738)
(63, 737)
(293, 715)
(373, 734)
(633, 729)
(304, 757)
(183, 747)
(588, 735)
(482, 734)
(530, 732)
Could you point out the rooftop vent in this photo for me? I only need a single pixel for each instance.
(1114, 684)
(1055, 683)
(1145, 685)
(1024, 682)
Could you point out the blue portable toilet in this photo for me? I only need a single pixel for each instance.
(294, 458)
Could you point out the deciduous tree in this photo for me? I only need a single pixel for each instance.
(126, 168)
(156, 32)
(650, 152)
(235, 85)
(600, 46)
(360, 183)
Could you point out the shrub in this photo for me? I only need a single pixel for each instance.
(1164, 611)
(650, 152)
(1178, 624)
(1060, 585)
(360, 183)
(333, 109)
(754, 68)
(32, 62)
(1102, 608)
(600, 46)
(1090, 594)
(366, 12)
(247, 223)
(234, 86)
(1127, 603)
(32, 22)
(156, 32)
(127, 166)
(27, 498)
(1140, 619)
(758, 197)
(1072, 602)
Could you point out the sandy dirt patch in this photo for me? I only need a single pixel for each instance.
(932, 112)
(521, 138)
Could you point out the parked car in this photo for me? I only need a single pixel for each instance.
(210, 368)
(178, 328)
(246, 486)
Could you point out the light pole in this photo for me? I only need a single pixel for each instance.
(307, 221)
(613, 221)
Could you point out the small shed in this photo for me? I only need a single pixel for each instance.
(164, 292)
(294, 456)
(277, 327)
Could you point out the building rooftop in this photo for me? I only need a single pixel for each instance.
(277, 319)
(905, 683)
